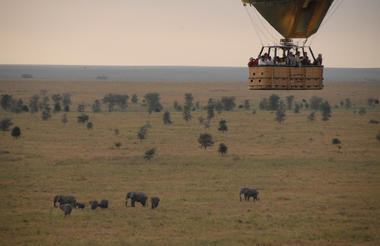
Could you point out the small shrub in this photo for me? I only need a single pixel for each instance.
(373, 122)
(326, 110)
(64, 119)
(149, 154)
(16, 132)
(205, 140)
(81, 108)
(134, 99)
(336, 141)
(117, 144)
(362, 111)
(311, 116)
(254, 111)
(222, 149)
(210, 111)
(247, 104)
(5, 124)
(46, 114)
(187, 113)
(96, 107)
(378, 136)
(116, 131)
(166, 118)
(297, 108)
(280, 113)
(141, 134)
(89, 125)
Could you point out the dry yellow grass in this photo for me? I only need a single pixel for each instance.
(311, 192)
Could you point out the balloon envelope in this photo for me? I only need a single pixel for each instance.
(293, 18)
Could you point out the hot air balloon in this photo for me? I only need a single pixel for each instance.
(292, 19)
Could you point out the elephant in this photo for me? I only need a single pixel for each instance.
(66, 208)
(252, 193)
(136, 197)
(243, 191)
(103, 203)
(154, 201)
(65, 200)
(94, 204)
(80, 205)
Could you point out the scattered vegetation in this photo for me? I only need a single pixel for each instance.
(5, 124)
(149, 154)
(336, 141)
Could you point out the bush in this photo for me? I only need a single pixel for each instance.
(311, 116)
(6, 102)
(246, 104)
(64, 119)
(280, 113)
(83, 118)
(223, 125)
(149, 154)
(378, 136)
(166, 118)
(189, 100)
(222, 149)
(297, 108)
(372, 102)
(289, 102)
(81, 108)
(362, 111)
(315, 102)
(210, 111)
(326, 110)
(348, 103)
(16, 132)
(5, 124)
(263, 105)
(205, 140)
(274, 102)
(134, 99)
(187, 113)
(336, 141)
(89, 125)
(46, 114)
(96, 107)
(373, 122)
(117, 144)
(141, 134)
(33, 103)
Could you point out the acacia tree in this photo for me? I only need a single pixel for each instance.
(223, 125)
(289, 102)
(205, 140)
(189, 100)
(153, 101)
(64, 118)
(210, 111)
(141, 134)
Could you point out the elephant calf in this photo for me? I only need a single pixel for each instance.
(154, 201)
(66, 208)
(93, 204)
(65, 200)
(136, 197)
(103, 203)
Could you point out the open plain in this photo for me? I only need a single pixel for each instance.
(312, 192)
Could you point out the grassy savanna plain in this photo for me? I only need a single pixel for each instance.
(311, 192)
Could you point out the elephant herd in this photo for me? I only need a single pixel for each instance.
(67, 203)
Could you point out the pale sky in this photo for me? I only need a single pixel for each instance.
(169, 32)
